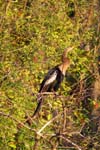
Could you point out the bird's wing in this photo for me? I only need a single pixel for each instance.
(49, 78)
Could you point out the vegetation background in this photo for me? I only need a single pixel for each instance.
(33, 36)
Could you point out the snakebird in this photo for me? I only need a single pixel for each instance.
(53, 78)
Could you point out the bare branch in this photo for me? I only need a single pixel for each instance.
(48, 123)
(69, 141)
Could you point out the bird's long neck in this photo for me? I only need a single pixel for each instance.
(63, 67)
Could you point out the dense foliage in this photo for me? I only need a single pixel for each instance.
(33, 37)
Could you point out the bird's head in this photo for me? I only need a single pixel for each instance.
(65, 59)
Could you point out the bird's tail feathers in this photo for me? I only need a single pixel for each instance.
(40, 100)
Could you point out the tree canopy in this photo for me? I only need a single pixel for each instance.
(33, 37)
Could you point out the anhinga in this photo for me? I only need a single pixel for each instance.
(53, 78)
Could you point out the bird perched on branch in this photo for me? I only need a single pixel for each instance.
(53, 78)
(52, 81)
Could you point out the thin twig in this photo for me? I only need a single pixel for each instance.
(69, 141)
(49, 122)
